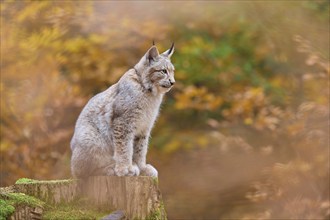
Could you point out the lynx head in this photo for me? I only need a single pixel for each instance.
(156, 70)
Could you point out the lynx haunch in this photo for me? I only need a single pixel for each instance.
(112, 131)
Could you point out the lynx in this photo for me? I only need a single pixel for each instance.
(112, 131)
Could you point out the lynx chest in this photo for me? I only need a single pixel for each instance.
(148, 115)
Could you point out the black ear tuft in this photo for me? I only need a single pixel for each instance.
(153, 42)
(171, 49)
(169, 52)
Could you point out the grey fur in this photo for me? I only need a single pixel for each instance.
(112, 131)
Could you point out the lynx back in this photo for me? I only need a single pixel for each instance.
(112, 131)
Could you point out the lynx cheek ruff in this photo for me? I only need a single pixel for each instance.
(112, 131)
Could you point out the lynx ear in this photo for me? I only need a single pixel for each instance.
(152, 54)
(169, 52)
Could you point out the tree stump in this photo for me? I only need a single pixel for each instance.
(137, 197)
(52, 192)
(27, 212)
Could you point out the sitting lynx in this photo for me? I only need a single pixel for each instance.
(112, 131)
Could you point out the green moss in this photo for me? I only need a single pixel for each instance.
(65, 212)
(24, 180)
(6, 209)
(78, 209)
(157, 214)
(155, 180)
(8, 202)
(31, 181)
(21, 199)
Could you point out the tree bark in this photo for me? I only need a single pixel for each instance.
(138, 197)
(52, 192)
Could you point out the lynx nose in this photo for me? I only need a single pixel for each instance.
(172, 82)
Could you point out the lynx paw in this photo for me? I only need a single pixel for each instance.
(149, 170)
(132, 170)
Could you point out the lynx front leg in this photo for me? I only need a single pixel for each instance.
(123, 150)
(140, 154)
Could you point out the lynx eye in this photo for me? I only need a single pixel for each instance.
(164, 71)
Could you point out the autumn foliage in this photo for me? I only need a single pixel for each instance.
(252, 80)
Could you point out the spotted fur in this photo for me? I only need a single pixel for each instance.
(112, 131)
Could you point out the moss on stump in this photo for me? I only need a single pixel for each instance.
(19, 206)
(92, 198)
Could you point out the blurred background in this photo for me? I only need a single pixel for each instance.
(243, 135)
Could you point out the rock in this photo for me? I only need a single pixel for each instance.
(116, 215)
